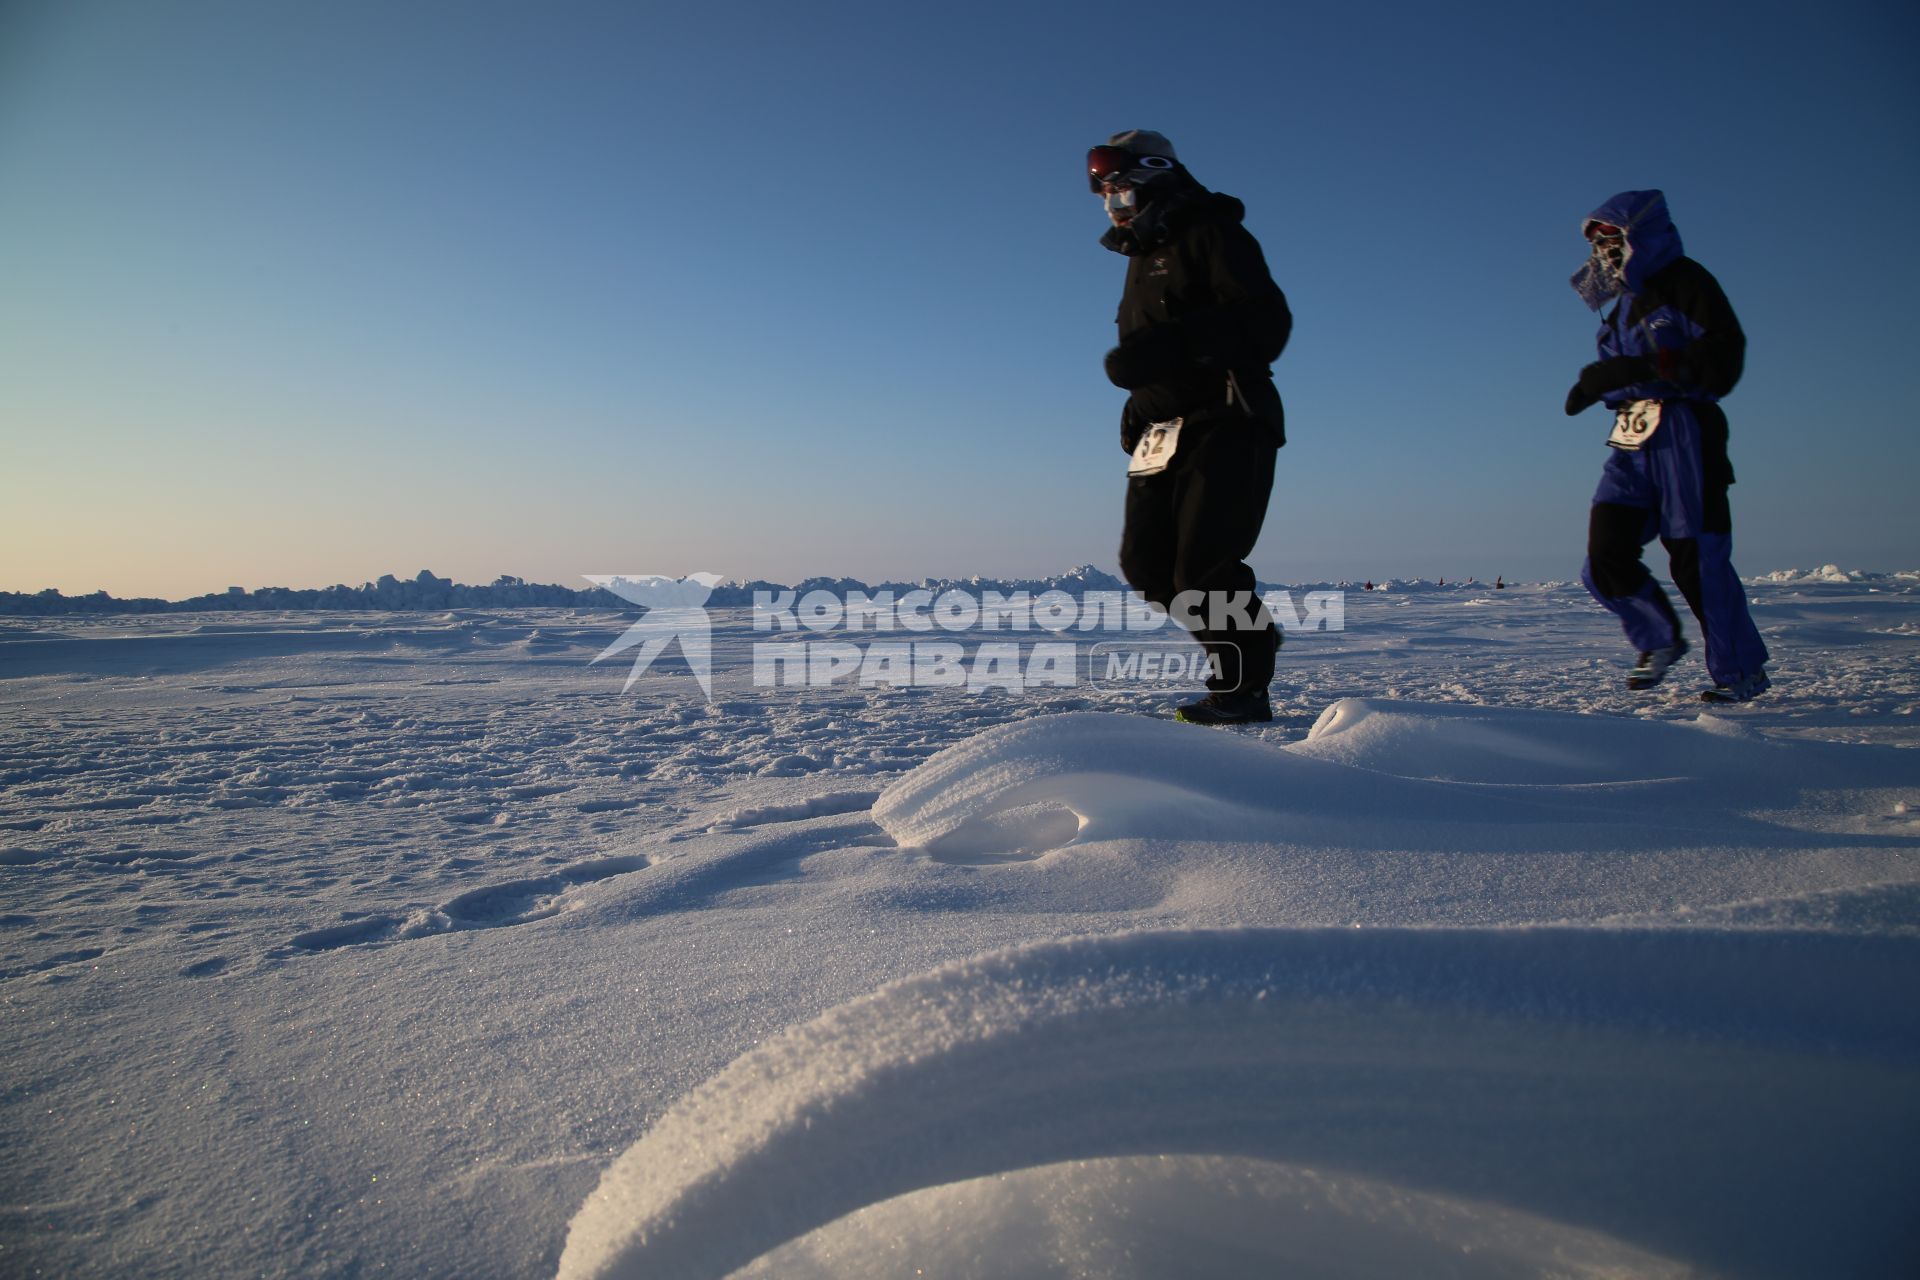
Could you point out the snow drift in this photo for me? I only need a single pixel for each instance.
(1617, 1098)
(1083, 777)
(1740, 1101)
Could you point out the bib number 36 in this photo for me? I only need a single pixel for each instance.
(1635, 424)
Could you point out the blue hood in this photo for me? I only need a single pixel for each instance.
(1652, 243)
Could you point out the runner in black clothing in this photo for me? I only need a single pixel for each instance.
(1201, 321)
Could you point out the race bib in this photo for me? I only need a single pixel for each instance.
(1155, 450)
(1635, 424)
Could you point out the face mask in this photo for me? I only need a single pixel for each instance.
(1604, 276)
(1610, 256)
(1609, 250)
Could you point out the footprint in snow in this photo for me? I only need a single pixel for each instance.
(491, 906)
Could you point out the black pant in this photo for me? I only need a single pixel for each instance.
(1615, 534)
(1191, 528)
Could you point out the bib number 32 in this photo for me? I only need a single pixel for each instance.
(1155, 450)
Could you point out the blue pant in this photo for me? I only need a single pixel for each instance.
(1671, 489)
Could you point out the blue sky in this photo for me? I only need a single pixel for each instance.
(299, 293)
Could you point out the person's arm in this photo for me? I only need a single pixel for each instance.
(1132, 426)
(1711, 364)
(1249, 325)
(1705, 365)
(1252, 322)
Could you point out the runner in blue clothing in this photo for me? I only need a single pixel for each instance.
(1670, 348)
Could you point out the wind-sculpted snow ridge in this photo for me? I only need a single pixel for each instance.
(1731, 1101)
(1592, 1101)
(1521, 747)
(1368, 764)
(1090, 776)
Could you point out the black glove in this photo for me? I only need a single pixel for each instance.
(1153, 356)
(1602, 376)
(1131, 427)
(1578, 399)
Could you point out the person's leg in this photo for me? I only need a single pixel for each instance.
(1696, 526)
(1147, 538)
(1683, 566)
(1223, 488)
(1735, 651)
(1616, 577)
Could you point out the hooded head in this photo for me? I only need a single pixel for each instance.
(1130, 169)
(1632, 237)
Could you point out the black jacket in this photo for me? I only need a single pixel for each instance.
(1200, 319)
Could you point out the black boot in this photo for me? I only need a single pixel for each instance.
(1744, 689)
(1227, 708)
(1651, 669)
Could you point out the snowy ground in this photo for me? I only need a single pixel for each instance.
(344, 944)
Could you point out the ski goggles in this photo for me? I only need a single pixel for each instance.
(1598, 230)
(1110, 164)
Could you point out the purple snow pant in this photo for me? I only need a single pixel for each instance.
(1668, 490)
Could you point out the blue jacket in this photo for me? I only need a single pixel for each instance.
(1669, 309)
